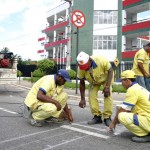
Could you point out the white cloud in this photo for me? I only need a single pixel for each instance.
(33, 12)
(2, 29)
(8, 7)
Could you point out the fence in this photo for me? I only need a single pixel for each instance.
(121, 67)
(27, 69)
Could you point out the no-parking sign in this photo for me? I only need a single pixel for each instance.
(78, 18)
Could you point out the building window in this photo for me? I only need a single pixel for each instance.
(101, 42)
(105, 16)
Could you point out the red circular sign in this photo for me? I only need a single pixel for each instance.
(78, 18)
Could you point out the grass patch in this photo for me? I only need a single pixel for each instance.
(70, 85)
(118, 88)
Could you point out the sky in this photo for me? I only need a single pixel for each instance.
(21, 22)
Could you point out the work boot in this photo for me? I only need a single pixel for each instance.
(26, 112)
(53, 119)
(141, 139)
(35, 123)
(95, 120)
(107, 121)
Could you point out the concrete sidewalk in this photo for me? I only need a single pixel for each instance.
(118, 97)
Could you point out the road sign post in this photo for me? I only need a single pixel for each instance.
(69, 37)
(78, 20)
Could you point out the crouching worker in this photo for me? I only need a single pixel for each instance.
(134, 113)
(46, 99)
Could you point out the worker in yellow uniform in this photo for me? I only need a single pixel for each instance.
(141, 65)
(98, 71)
(46, 99)
(134, 113)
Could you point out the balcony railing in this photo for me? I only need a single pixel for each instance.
(128, 54)
(129, 2)
(57, 26)
(56, 43)
(142, 24)
(60, 60)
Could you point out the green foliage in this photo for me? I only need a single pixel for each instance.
(71, 85)
(38, 73)
(46, 65)
(5, 50)
(34, 79)
(72, 74)
(119, 88)
(19, 73)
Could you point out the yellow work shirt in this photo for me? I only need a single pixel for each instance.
(143, 57)
(99, 71)
(138, 98)
(45, 84)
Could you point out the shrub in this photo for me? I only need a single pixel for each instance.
(72, 74)
(46, 65)
(38, 73)
(19, 73)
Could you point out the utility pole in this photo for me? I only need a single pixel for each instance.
(69, 36)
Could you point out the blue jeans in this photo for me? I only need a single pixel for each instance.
(141, 81)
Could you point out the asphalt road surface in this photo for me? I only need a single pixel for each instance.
(17, 134)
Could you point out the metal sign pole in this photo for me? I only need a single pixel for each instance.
(77, 42)
(78, 19)
(69, 38)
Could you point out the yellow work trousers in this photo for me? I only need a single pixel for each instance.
(94, 104)
(47, 110)
(128, 121)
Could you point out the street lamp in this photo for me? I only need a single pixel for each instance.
(69, 36)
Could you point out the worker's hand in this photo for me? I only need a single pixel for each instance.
(57, 104)
(82, 103)
(106, 91)
(111, 127)
(147, 75)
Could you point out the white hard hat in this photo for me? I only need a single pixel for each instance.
(82, 60)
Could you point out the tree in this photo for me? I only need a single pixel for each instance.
(5, 50)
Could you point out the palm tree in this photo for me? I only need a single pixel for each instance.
(5, 50)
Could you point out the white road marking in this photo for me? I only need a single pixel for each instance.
(38, 141)
(77, 138)
(27, 135)
(85, 132)
(89, 127)
(6, 110)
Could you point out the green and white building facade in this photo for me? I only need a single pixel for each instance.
(135, 31)
(112, 29)
(97, 36)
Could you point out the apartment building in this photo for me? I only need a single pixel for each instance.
(98, 36)
(41, 52)
(135, 31)
(105, 28)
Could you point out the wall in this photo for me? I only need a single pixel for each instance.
(105, 5)
(85, 33)
(105, 29)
